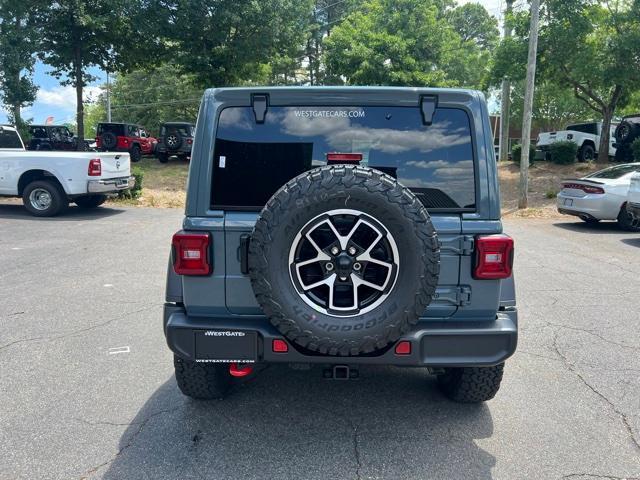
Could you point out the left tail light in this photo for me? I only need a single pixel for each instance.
(95, 167)
(191, 253)
(494, 257)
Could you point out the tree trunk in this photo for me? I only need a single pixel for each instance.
(603, 148)
(80, 106)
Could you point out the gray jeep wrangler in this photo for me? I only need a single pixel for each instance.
(339, 227)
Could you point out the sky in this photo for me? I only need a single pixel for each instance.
(59, 101)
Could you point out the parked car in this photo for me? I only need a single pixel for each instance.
(49, 181)
(176, 138)
(633, 199)
(600, 196)
(585, 135)
(342, 227)
(53, 137)
(125, 137)
(626, 132)
(10, 139)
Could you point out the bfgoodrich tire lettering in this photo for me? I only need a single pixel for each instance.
(333, 188)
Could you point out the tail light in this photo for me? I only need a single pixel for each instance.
(584, 188)
(95, 168)
(494, 257)
(344, 157)
(189, 141)
(191, 253)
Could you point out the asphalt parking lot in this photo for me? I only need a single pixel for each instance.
(87, 387)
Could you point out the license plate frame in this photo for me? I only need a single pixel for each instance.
(226, 346)
(568, 202)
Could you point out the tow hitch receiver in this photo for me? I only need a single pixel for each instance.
(341, 372)
(239, 370)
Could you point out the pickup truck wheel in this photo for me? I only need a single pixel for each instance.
(471, 384)
(44, 198)
(135, 153)
(626, 221)
(90, 201)
(343, 260)
(203, 381)
(587, 153)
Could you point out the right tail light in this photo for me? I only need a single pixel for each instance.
(494, 257)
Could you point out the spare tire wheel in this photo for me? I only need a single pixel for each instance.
(109, 140)
(343, 260)
(173, 140)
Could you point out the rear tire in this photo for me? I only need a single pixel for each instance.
(135, 154)
(471, 384)
(44, 198)
(626, 221)
(163, 157)
(587, 153)
(202, 381)
(90, 201)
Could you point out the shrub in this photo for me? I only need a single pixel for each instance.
(516, 154)
(551, 194)
(136, 191)
(635, 147)
(564, 152)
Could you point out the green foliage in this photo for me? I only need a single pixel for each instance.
(563, 152)
(474, 24)
(551, 194)
(136, 191)
(635, 148)
(18, 43)
(516, 154)
(407, 42)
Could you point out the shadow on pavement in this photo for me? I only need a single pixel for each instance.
(634, 242)
(590, 228)
(74, 214)
(284, 423)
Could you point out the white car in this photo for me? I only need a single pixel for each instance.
(600, 196)
(49, 181)
(633, 198)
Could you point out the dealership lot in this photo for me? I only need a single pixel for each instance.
(87, 388)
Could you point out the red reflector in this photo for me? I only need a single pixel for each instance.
(189, 141)
(191, 253)
(279, 346)
(95, 168)
(403, 348)
(494, 257)
(344, 157)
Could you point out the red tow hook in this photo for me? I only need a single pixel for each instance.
(237, 371)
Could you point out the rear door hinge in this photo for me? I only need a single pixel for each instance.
(463, 296)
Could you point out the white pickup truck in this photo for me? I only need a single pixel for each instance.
(585, 135)
(49, 181)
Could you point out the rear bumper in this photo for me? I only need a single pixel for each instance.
(184, 149)
(585, 207)
(110, 185)
(634, 210)
(444, 343)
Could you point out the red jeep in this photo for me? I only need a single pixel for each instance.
(125, 137)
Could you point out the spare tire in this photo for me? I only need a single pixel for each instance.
(626, 132)
(344, 260)
(109, 140)
(173, 140)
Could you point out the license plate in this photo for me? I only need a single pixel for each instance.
(122, 183)
(568, 202)
(226, 346)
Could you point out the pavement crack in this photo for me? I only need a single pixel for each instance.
(141, 424)
(595, 475)
(356, 451)
(595, 334)
(79, 331)
(572, 368)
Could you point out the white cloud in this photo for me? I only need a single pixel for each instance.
(64, 98)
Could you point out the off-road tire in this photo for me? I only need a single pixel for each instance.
(90, 201)
(178, 140)
(59, 200)
(163, 157)
(626, 221)
(587, 153)
(626, 132)
(471, 384)
(202, 381)
(135, 153)
(109, 140)
(312, 194)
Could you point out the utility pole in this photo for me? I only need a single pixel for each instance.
(108, 99)
(528, 103)
(503, 153)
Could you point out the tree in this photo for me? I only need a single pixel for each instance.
(231, 42)
(79, 34)
(401, 42)
(474, 24)
(594, 49)
(18, 44)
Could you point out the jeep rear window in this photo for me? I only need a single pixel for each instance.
(115, 128)
(252, 161)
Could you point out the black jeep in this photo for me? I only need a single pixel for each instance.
(626, 132)
(53, 137)
(176, 138)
